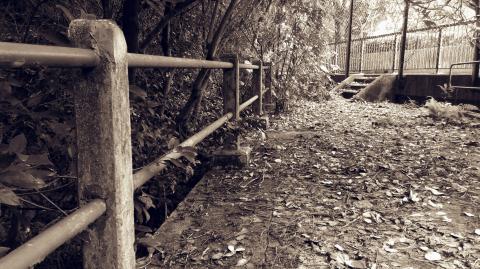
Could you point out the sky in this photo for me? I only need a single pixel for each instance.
(393, 21)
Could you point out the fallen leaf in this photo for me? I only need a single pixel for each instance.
(433, 256)
(413, 197)
(434, 191)
(477, 231)
(424, 248)
(389, 249)
(241, 262)
(357, 264)
(240, 237)
(217, 256)
(18, 144)
(468, 214)
(342, 258)
(434, 205)
(8, 197)
(240, 249)
(339, 247)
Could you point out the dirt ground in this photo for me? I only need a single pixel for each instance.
(337, 184)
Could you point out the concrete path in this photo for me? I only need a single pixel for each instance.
(337, 185)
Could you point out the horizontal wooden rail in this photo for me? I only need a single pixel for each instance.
(37, 248)
(247, 103)
(248, 66)
(16, 55)
(155, 167)
(20, 55)
(154, 61)
(141, 60)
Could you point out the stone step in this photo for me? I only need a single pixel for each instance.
(358, 86)
(366, 79)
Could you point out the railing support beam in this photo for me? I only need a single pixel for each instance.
(267, 102)
(257, 88)
(349, 41)
(476, 55)
(104, 147)
(231, 86)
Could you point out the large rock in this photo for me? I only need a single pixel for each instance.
(381, 89)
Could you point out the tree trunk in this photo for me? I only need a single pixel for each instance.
(192, 107)
(131, 29)
(168, 16)
(167, 51)
(107, 8)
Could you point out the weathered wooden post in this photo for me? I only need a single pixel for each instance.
(104, 147)
(257, 87)
(231, 153)
(267, 102)
(231, 86)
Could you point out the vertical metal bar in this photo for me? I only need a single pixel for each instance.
(231, 87)
(268, 86)
(257, 87)
(439, 49)
(349, 41)
(394, 52)
(102, 113)
(403, 42)
(476, 55)
(362, 52)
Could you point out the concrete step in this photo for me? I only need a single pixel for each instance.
(348, 93)
(365, 79)
(358, 86)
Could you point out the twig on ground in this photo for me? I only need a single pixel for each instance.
(52, 203)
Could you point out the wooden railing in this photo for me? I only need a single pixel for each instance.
(428, 50)
(105, 178)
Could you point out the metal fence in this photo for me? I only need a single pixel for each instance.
(102, 111)
(428, 50)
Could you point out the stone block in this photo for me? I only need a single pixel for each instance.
(239, 157)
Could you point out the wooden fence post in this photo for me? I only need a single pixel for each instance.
(267, 102)
(104, 144)
(257, 87)
(231, 86)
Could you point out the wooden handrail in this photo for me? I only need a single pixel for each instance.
(37, 248)
(154, 168)
(111, 79)
(15, 55)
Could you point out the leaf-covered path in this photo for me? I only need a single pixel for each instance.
(337, 185)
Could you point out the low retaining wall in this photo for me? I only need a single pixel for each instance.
(425, 85)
